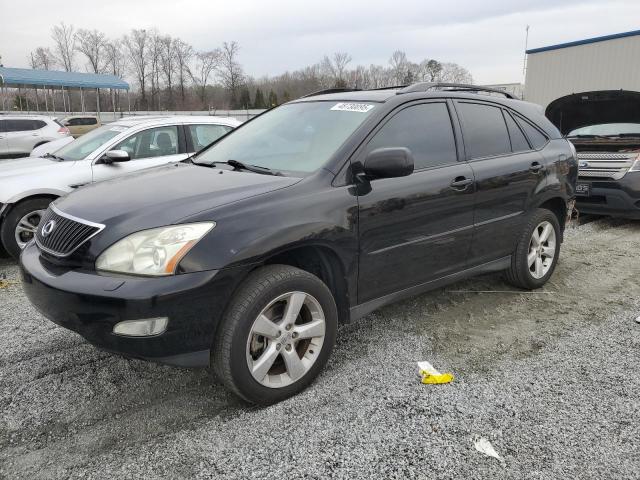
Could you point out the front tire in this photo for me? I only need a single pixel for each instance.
(277, 334)
(537, 252)
(20, 224)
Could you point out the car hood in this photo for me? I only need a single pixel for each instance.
(592, 108)
(165, 195)
(29, 166)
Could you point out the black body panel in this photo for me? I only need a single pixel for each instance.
(385, 238)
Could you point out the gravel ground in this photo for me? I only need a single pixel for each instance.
(549, 378)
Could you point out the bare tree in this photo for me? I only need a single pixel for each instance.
(230, 71)
(398, 62)
(115, 63)
(154, 50)
(92, 44)
(65, 45)
(184, 55)
(206, 63)
(42, 58)
(454, 73)
(168, 63)
(334, 69)
(136, 45)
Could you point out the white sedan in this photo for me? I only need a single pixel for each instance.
(28, 185)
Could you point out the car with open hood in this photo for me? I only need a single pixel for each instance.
(29, 185)
(604, 127)
(319, 211)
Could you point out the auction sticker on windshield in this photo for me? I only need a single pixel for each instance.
(353, 107)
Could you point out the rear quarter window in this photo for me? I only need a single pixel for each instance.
(535, 136)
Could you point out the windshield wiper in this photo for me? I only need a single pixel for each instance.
(250, 168)
(55, 157)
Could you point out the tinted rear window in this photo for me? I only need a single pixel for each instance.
(484, 131)
(22, 125)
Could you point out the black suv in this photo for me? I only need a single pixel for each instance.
(314, 213)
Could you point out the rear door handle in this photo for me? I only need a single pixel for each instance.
(461, 183)
(536, 167)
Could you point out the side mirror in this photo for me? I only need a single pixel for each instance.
(113, 156)
(388, 163)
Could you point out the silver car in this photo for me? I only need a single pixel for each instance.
(28, 186)
(19, 134)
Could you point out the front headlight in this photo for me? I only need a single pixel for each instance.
(152, 252)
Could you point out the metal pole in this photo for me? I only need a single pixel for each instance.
(82, 100)
(37, 102)
(113, 103)
(98, 103)
(46, 100)
(129, 101)
(64, 101)
(20, 99)
(53, 100)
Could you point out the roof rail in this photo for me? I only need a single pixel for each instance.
(452, 87)
(331, 90)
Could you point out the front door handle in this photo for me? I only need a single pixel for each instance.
(461, 183)
(536, 167)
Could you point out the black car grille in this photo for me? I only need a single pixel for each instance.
(65, 235)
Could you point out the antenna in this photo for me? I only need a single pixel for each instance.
(526, 45)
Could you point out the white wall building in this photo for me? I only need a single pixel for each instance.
(611, 62)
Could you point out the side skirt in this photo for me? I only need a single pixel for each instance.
(361, 310)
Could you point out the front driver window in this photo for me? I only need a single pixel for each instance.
(154, 142)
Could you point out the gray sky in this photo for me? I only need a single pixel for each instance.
(486, 37)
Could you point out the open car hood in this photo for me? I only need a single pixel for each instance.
(592, 108)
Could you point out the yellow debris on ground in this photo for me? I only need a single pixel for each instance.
(5, 284)
(432, 376)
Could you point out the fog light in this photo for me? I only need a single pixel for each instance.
(141, 328)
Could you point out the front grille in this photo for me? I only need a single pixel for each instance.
(60, 234)
(605, 165)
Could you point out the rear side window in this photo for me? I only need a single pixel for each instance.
(203, 135)
(23, 125)
(484, 131)
(537, 139)
(518, 140)
(88, 121)
(424, 129)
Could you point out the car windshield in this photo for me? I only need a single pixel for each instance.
(297, 137)
(607, 130)
(83, 146)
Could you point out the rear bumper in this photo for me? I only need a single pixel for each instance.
(91, 304)
(617, 198)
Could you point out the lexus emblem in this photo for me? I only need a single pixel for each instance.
(48, 228)
(583, 164)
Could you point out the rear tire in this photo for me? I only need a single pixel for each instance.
(537, 251)
(29, 213)
(298, 316)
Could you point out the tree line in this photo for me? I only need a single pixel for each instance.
(169, 74)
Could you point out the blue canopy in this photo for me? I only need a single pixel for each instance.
(26, 77)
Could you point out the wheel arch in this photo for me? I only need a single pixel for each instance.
(558, 206)
(324, 263)
(18, 201)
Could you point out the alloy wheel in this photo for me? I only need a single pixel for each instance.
(542, 250)
(286, 339)
(27, 226)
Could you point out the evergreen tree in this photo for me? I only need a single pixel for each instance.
(258, 101)
(273, 99)
(245, 98)
(286, 97)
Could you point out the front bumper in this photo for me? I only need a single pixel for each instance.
(617, 198)
(91, 304)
